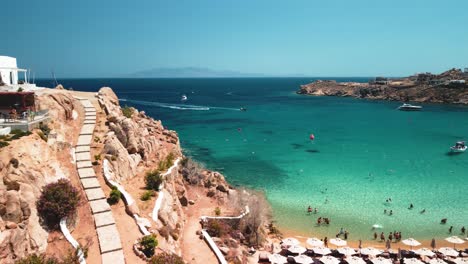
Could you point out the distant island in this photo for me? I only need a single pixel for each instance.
(448, 87)
(189, 72)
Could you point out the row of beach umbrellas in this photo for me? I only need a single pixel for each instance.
(315, 242)
(303, 259)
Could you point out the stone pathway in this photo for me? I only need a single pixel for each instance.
(108, 235)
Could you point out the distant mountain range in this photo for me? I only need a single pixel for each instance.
(189, 72)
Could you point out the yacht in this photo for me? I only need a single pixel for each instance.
(183, 98)
(459, 147)
(409, 107)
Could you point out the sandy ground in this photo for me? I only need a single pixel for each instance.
(196, 250)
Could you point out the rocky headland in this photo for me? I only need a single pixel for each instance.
(450, 87)
(132, 143)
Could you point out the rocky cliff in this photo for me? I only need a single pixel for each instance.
(26, 165)
(448, 87)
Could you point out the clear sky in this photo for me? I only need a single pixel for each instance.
(106, 38)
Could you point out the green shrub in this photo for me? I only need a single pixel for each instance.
(3, 144)
(166, 258)
(97, 157)
(44, 128)
(37, 259)
(217, 211)
(148, 244)
(114, 196)
(95, 163)
(17, 133)
(20, 90)
(147, 195)
(128, 111)
(166, 163)
(153, 180)
(59, 199)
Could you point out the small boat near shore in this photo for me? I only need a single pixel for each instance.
(460, 146)
(183, 98)
(409, 107)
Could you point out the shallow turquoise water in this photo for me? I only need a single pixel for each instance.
(363, 153)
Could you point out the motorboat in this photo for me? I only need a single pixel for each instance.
(184, 98)
(243, 109)
(459, 147)
(409, 107)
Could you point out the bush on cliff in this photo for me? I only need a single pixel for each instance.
(114, 196)
(128, 111)
(148, 244)
(165, 164)
(192, 171)
(153, 180)
(59, 199)
(166, 258)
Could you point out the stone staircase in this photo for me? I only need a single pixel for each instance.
(108, 235)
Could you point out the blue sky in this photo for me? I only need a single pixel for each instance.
(316, 38)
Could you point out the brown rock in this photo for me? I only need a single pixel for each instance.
(13, 211)
(11, 225)
(183, 200)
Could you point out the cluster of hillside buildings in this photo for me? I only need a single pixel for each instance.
(453, 77)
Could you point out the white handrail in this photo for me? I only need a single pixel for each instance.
(73, 242)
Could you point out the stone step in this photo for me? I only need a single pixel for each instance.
(90, 117)
(104, 219)
(89, 122)
(87, 129)
(95, 194)
(84, 140)
(90, 113)
(109, 239)
(82, 156)
(82, 149)
(113, 257)
(89, 183)
(87, 103)
(99, 206)
(86, 173)
(84, 164)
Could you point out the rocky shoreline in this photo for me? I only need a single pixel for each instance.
(450, 87)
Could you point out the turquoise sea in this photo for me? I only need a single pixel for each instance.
(364, 152)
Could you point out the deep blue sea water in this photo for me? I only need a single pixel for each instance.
(364, 152)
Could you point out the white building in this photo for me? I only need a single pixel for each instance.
(9, 71)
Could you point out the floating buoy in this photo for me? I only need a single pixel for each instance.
(312, 137)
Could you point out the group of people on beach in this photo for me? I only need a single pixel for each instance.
(393, 235)
(310, 210)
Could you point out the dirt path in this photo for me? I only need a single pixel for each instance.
(195, 250)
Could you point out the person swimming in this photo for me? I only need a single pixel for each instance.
(423, 211)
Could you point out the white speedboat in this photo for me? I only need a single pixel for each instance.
(409, 107)
(183, 98)
(459, 147)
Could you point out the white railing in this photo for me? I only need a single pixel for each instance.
(158, 203)
(73, 242)
(214, 247)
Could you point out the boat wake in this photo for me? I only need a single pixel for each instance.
(178, 106)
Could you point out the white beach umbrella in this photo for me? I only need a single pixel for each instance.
(411, 242)
(277, 259)
(347, 251)
(412, 261)
(381, 260)
(455, 240)
(338, 242)
(321, 250)
(460, 260)
(355, 260)
(424, 252)
(436, 261)
(290, 241)
(303, 259)
(371, 251)
(314, 242)
(448, 251)
(329, 260)
(297, 249)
